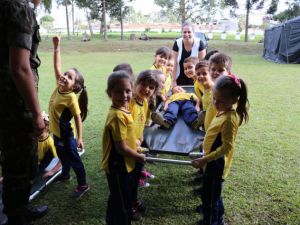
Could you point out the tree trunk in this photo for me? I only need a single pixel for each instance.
(73, 18)
(89, 23)
(182, 11)
(247, 24)
(104, 21)
(67, 17)
(121, 22)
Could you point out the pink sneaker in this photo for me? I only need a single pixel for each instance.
(147, 174)
(143, 183)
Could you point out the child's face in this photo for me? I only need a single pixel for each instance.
(217, 70)
(160, 60)
(161, 81)
(222, 103)
(177, 89)
(121, 94)
(170, 66)
(189, 69)
(203, 75)
(44, 135)
(66, 81)
(144, 91)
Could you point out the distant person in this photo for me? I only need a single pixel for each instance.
(63, 106)
(120, 150)
(21, 120)
(219, 142)
(186, 46)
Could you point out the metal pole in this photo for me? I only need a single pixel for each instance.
(194, 155)
(170, 161)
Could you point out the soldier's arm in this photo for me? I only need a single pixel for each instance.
(23, 78)
(57, 57)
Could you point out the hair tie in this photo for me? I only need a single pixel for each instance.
(235, 79)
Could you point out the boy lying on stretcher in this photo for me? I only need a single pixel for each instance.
(180, 101)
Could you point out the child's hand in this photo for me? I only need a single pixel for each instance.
(80, 144)
(199, 163)
(197, 108)
(141, 158)
(56, 41)
(138, 143)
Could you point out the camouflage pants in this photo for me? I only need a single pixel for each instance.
(18, 150)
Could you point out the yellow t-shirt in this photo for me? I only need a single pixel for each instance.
(62, 108)
(220, 138)
(182, 96)
(140, 114)
(206, 99)
(168, 84)
(119, 126)
(44, 146)
(162, 69)
(199, 89)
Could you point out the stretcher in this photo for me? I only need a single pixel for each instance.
(179, 140)
(39, 184)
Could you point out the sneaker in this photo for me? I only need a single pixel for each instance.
(159, 119)
(139, 207)
(61, 178)
(80, 191)
(199, 121)
(147, 174)
(143, 183)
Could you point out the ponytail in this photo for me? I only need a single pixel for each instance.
(236, 89)
(80, 88)
(83, 103)
(243, 103)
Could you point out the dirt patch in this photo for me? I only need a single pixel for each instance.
(96, 45)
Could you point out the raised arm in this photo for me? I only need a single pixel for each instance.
(56, 57)
(23, 79)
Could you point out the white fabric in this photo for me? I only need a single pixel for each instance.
(194, 53)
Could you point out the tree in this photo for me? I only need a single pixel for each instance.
(47, 22)
(190, 9)
(65, 3)
(250, 5)
(292, 11)
(118, 10)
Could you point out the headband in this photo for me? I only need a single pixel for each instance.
(235, 79)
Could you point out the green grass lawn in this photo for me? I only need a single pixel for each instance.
(263, 186)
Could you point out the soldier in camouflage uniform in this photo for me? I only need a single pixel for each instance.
(20, 118)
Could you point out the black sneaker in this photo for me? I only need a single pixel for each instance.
(61, 178)
(80, 191)
(37, 212)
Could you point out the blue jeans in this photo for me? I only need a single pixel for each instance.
(213, 207)
(187, 109)
(68, 155)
